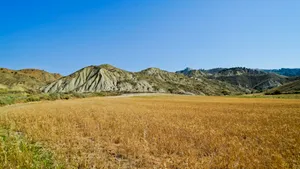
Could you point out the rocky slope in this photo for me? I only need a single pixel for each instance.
(26, 79)
(109, 78)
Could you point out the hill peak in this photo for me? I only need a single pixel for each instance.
(188, 69)
(152, 70)
(192, 72)
(107, 66)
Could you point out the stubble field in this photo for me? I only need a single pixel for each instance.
(158, 132)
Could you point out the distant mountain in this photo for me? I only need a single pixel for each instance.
(252, 79)
(25, 79)
(109, 78)
(284, 71)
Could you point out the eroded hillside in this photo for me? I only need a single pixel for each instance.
(109, 78)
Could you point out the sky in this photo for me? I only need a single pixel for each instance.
(66, 35)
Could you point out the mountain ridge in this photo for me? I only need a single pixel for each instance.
(109, 78)
(252, 79)
(105, 77)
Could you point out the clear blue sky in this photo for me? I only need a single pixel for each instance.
(66, 35)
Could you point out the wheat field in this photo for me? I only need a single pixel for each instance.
(163, 131)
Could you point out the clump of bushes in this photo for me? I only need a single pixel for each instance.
(226, 92)
(33, 99)
(8, 100)
(78, 95)
(155, 88)
(12, 98)
(65, 96)
(54, 96)
(102, 94)
(275, 92)
(3, 91)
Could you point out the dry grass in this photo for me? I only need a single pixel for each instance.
(164, 132)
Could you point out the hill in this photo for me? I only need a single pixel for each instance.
(109, 78)
(285, 71)
(288, 88)
(26, 79)
(252, 79)
(41, 75)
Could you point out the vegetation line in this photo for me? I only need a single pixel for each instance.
(9, 98)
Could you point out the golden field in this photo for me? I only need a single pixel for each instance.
(160, 132)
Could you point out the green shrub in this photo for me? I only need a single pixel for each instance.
(2, 102)
(65, 97)
(79, 95)
(276, 92)
(156, 88)
(54, 96)
(8, 100)
(226, 92)
(33, 99)
(45, 97)
(3, 91)
(101, 94)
